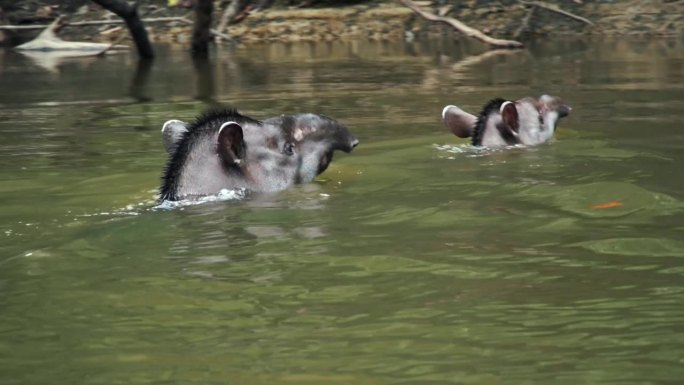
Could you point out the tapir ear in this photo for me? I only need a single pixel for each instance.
(458, 121)
(231, 145)
(509, 114)
(172, 132)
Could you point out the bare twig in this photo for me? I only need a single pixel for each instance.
(463, 28)
(555, 8)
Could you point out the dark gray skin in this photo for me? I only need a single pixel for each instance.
(225, 150)
(527, 121)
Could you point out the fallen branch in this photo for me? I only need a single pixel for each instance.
(463, 28)
(556, 9)
(179, 19)
(48, 41)
(92, 22)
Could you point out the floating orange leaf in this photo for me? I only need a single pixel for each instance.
(608, 205)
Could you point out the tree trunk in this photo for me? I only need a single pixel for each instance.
(201, 33)
(129, 14)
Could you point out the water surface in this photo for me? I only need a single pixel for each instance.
(414, 260)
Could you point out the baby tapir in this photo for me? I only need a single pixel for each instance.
(223, 149)
(502, 122)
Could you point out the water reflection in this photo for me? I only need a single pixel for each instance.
(140, 80)
(52, 60)
(256, 225)
(204, 73)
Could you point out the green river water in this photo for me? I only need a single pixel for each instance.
(414, 260)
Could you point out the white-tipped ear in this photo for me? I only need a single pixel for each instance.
(172, 132)
(173, 123)
(231, 144)
(503, 106)
(445, 109)
(226, 124)
(458, 121)
(509, 115)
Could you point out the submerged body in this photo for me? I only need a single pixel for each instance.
(527, 121)
(226, 150)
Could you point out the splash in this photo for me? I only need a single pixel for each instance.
(223, 196)
(469, 150)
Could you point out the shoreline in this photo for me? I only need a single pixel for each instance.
(387, 21)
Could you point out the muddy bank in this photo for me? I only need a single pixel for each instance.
(368, 20)
(497, 18)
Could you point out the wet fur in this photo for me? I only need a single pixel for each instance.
(264, 156)
(205, 125)
(478, 132)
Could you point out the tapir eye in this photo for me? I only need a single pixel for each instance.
(288, 149)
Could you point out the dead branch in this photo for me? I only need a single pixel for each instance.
(463, 28)
(477, 59)
(48, 41)
(93, 22)
(556, 9)
(179, 19)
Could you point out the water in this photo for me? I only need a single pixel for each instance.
(413, 260)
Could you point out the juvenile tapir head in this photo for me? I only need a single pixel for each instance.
(226, 150)
(503, 122)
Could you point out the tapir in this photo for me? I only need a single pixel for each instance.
(527, 121)
(223, 149)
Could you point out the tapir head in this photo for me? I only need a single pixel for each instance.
(315, 138)
(503, 122)
(225, 150)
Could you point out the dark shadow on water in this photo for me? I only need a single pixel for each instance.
(141, 77)
(204, 80)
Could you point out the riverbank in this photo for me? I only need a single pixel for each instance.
(381, 21)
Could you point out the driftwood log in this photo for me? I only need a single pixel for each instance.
(48, 41)
(462, 27)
